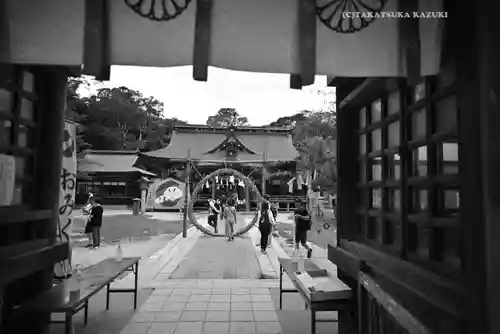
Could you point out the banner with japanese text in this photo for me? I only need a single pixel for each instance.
(67, 193)
(353, 38)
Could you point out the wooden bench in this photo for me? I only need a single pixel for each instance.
(92, 280)
(341, 300)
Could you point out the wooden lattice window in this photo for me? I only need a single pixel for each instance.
(408, 199)
(18, 132)
(379, 205)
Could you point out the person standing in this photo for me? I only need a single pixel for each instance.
(213, 213)
(274, 211)
(222, 203)
(86, 212)
(229, 215)
(96, 221)
(266, 224)
(303, 224)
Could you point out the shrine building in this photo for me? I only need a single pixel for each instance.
(266, 155)
(111, 176)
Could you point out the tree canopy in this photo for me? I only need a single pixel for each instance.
(227, 117)
(117, 118)
(314, 135)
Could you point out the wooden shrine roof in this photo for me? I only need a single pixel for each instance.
(111, 162)
(206, 144)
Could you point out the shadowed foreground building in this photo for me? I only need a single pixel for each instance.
(438, 259)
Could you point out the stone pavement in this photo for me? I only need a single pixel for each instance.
(209, 259)
(208, 285)
(208, 311)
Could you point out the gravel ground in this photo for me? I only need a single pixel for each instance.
(139, 236)
(123, 227)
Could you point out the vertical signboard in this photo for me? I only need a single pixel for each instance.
(150, 197)
(169, 194)
(67, 194)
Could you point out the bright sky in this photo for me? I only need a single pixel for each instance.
(262, 98)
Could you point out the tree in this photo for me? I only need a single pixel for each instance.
(289, 121)
(314, 135)
(227, 117)
(117, 118)
(328, 94)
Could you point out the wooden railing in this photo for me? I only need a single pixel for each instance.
(284, 203)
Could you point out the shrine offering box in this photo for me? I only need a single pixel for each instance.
(319, 285)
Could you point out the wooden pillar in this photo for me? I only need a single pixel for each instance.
(347, 121)
(346, 185)
(263, 186)
(187, 193)
(213, 189)
(51, 87)
(479, 163)
(247, 197)
(51, 83)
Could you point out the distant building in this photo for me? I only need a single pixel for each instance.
(250, 150)
(111, 175)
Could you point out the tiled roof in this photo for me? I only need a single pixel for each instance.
(267, 143)
(110, 161)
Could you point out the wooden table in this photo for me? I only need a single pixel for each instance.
(92, 280)
(341, 300)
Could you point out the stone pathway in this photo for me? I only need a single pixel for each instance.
(207, 285)
(218, 258)
(206, 311)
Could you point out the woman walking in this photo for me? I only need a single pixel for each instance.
(274, 212)
(266, 224)
(230, 218)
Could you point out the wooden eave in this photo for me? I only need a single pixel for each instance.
(231, 137)
(185, 128)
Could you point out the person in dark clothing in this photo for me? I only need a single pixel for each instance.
(86, 212)
(96, 221)
(274, 211)
(302, 225)
(213, 213)
(266, 223)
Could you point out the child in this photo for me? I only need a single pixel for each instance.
(302, 225)
(96, 221)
